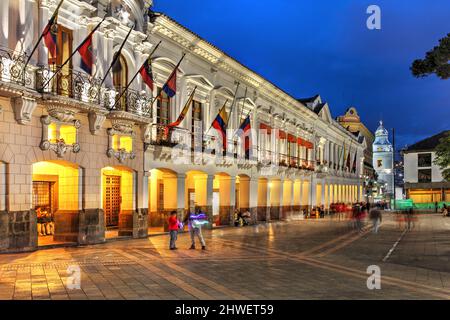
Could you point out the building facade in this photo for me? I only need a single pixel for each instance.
(97, 160)
(352, 122)
(423, 179)
(383, 160)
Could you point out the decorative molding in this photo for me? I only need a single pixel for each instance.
(60, 147)
(96, 120)
(23, 108)
(120, 128)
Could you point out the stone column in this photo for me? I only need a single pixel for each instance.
(253, 199)
(4, 23)
(209, 198)
(281, 210)
(268, 204)
(232, 198)
(43, 17)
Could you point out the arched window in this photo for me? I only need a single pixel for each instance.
(120, 80)
(163, 107)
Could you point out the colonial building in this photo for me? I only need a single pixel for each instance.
(423, 179)
(94, 155)
(352, 122)
(383, 160)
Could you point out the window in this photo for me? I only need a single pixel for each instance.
(379, 163)
(196, 112)
(63, 51)
(120, 79)
(424, 159)
(424, 175)
(62, 132)
(163, 107)
(122, 142)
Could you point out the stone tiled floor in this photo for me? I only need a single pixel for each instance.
(310, 259)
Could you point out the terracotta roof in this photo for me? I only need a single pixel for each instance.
(428, 143)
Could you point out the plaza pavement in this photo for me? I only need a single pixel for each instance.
(307, 259)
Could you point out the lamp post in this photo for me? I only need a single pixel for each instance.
(393, 162)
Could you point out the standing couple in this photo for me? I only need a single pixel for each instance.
(195, 221)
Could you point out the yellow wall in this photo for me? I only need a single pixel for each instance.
(287, 193)
(274, 187)
(244, 191)
(297, 193)
(262, 192)
(319, 194)
(224, 183)
(197, 181)
(305, 193)
(68, 196)
(169, 181)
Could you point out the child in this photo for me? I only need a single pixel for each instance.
(173, 229)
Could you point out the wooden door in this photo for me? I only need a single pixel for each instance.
(112, 200)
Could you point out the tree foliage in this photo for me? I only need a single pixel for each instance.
(436, 61)
(443, 156)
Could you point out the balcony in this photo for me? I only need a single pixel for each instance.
(12, 70)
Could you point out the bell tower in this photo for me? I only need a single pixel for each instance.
(383, 158)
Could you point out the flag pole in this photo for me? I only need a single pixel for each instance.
(73, 53)
(116, 56)
(243, 105)
(42, 35)
(135, 75)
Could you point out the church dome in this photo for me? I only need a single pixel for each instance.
(381, 142)
(381, 131)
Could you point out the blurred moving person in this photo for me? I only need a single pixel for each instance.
(375, 216)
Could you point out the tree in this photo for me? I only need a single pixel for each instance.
(443, 156)
(436, 61)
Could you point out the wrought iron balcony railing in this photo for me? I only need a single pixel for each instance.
(69, 83)
(132, 101)
(12, 68)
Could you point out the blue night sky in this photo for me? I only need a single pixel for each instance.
(323, 46)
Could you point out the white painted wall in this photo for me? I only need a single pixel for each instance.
(411, 168)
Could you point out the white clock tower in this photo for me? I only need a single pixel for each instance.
(383, 158)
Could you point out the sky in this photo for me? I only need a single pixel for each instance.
(324, 46)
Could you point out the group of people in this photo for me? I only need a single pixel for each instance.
(45, 222)
(241, 219)
(195, 220)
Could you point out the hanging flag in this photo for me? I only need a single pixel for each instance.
(354, 164)
(220, 124)
(245, 127)
(170, 87)
(50, 32)
(146, 73)
(182, 114)
(87, 57)
(116, 61)
(347, 163)
(85, 50)
(50, 43)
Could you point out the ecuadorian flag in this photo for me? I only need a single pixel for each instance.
(220, 124)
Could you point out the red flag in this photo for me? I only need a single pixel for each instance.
(50, 35)
(87, 58)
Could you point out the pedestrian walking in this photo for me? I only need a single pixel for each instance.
(375, 216)
(174, 225)
(445, 211)
(195, 221)
(409, 219)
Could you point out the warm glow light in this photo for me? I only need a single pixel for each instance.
(68, 133)
(52, 135)
(126, 142)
